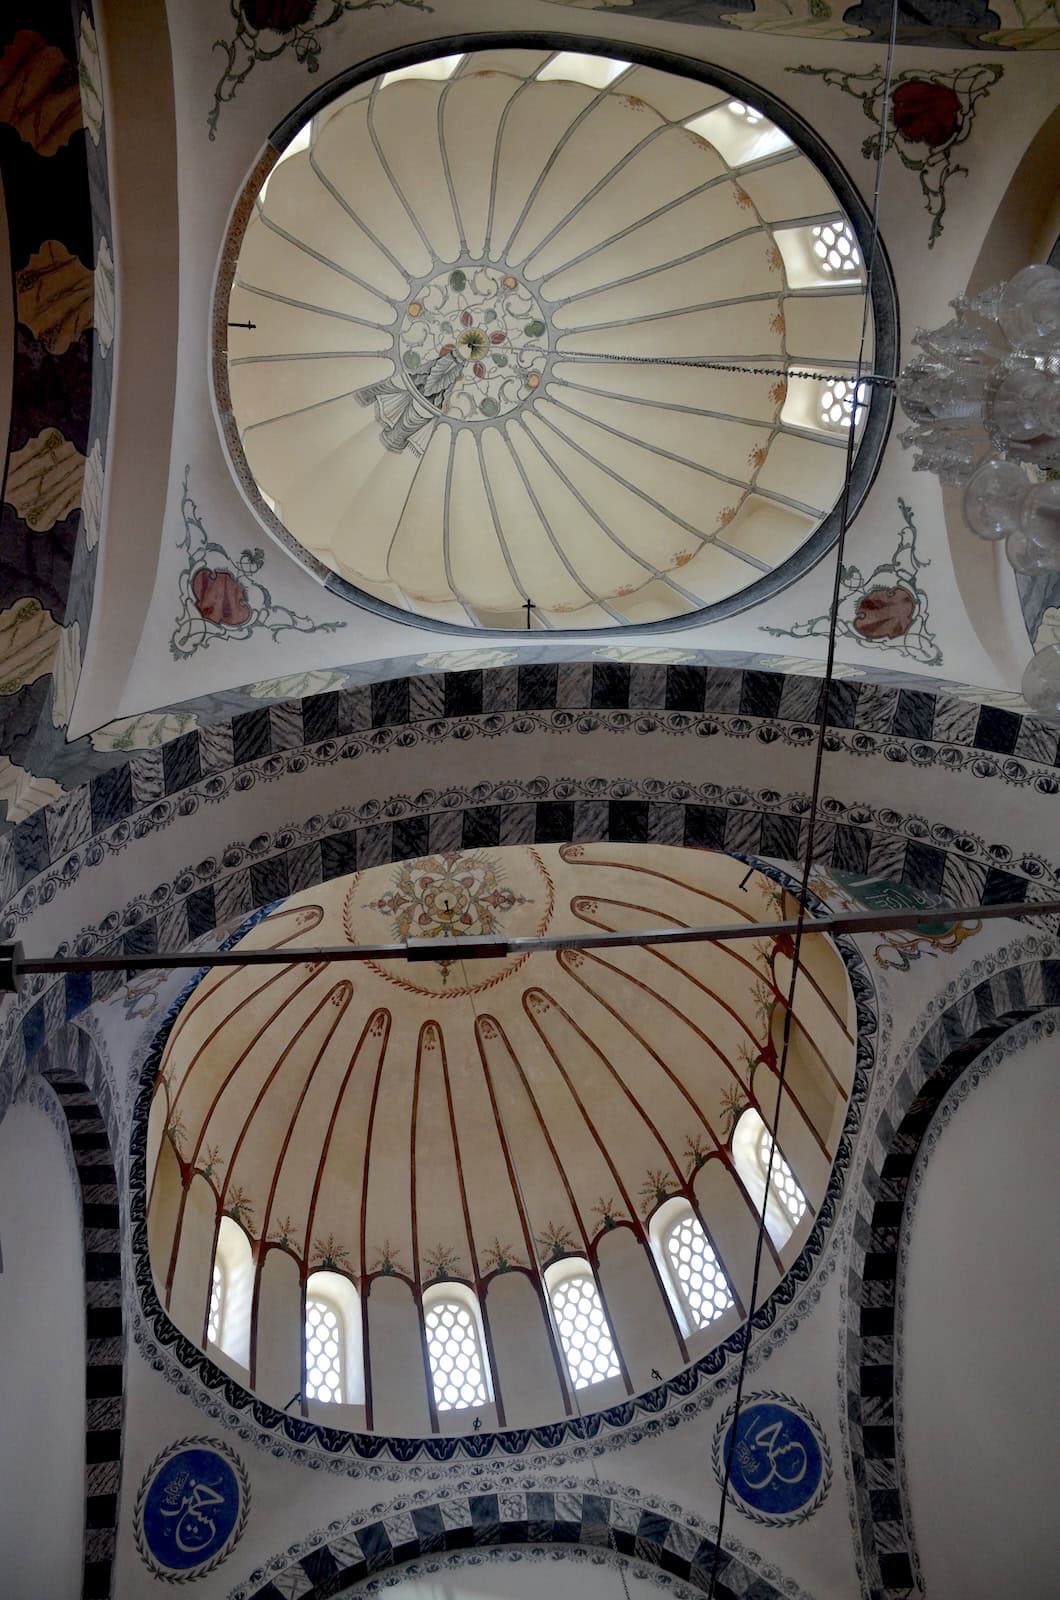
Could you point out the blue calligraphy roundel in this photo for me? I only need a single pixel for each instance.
(778, 1458)
(192, 1506)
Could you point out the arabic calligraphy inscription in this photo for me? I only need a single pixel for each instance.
(780, 1468)
(191, 1508)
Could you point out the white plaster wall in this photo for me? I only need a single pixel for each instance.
(42, 1363)
(980, 1394)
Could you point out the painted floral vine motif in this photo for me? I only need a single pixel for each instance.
(556, 1242)
(221, 598)
(441, 1263)
(931, 113)
(852, 891)
(266, 29)
(472, 342)
(888, 608)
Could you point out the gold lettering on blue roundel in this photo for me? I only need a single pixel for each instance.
(780, 1468)
(191, 1508)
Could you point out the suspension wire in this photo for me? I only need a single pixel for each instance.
(815, 794)
(880, 380)
(550, 1312)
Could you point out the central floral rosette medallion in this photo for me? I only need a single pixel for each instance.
(473, 343)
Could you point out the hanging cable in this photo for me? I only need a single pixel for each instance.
(546, 1298)
(815, 795)
(880, 380)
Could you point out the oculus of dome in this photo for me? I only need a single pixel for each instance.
(465, 287)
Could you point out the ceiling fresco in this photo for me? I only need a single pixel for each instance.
(456, 1121)
(956, 24)
(456, 354)
(53, 175)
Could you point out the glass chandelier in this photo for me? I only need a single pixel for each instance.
(984, 400)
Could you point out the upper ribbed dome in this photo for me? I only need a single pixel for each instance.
(447, 274)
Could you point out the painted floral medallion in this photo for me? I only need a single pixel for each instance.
(453, 894)
(473, 343)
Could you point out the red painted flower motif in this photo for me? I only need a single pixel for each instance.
(926, 113)
(220, 597)
(279, 15)
(479, 370)
(497, 338)
(885, 613)
(466, 318)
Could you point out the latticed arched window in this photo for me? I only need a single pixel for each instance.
(836, 405)
(334, 1366)
(781, 1179)
(231, 1287)
(836, 248)
(459, 1375)
(217, 1300)
(786, 1205)
(695, 1270)
(325, 1350)
(584, 1334)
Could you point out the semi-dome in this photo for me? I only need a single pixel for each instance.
(455, 322)
(476, 1134)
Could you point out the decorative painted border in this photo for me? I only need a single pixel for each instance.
(955, 1039)
(565, 1513)
(904, 726)
(1026, 24)
(175, 750)
(820, 1495)
(166, 1574)
(620, 1424)
(883, 291)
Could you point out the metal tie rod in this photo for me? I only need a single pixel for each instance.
(14, 964)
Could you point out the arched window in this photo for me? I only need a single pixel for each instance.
(459, 1372)
(820, 255)
(690, 1267)
(231, 1288)
(786, 1206)
(324, 1339)
(217, 1301)
(584, 1334)
(739, 133)
(332, 1331)
(836, 248)
(836, 405)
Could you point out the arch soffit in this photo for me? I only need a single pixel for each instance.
(957, 1039)
(81, 1107)
(536, 1514)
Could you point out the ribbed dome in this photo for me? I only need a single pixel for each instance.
(448, 273)
(451, 1121)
